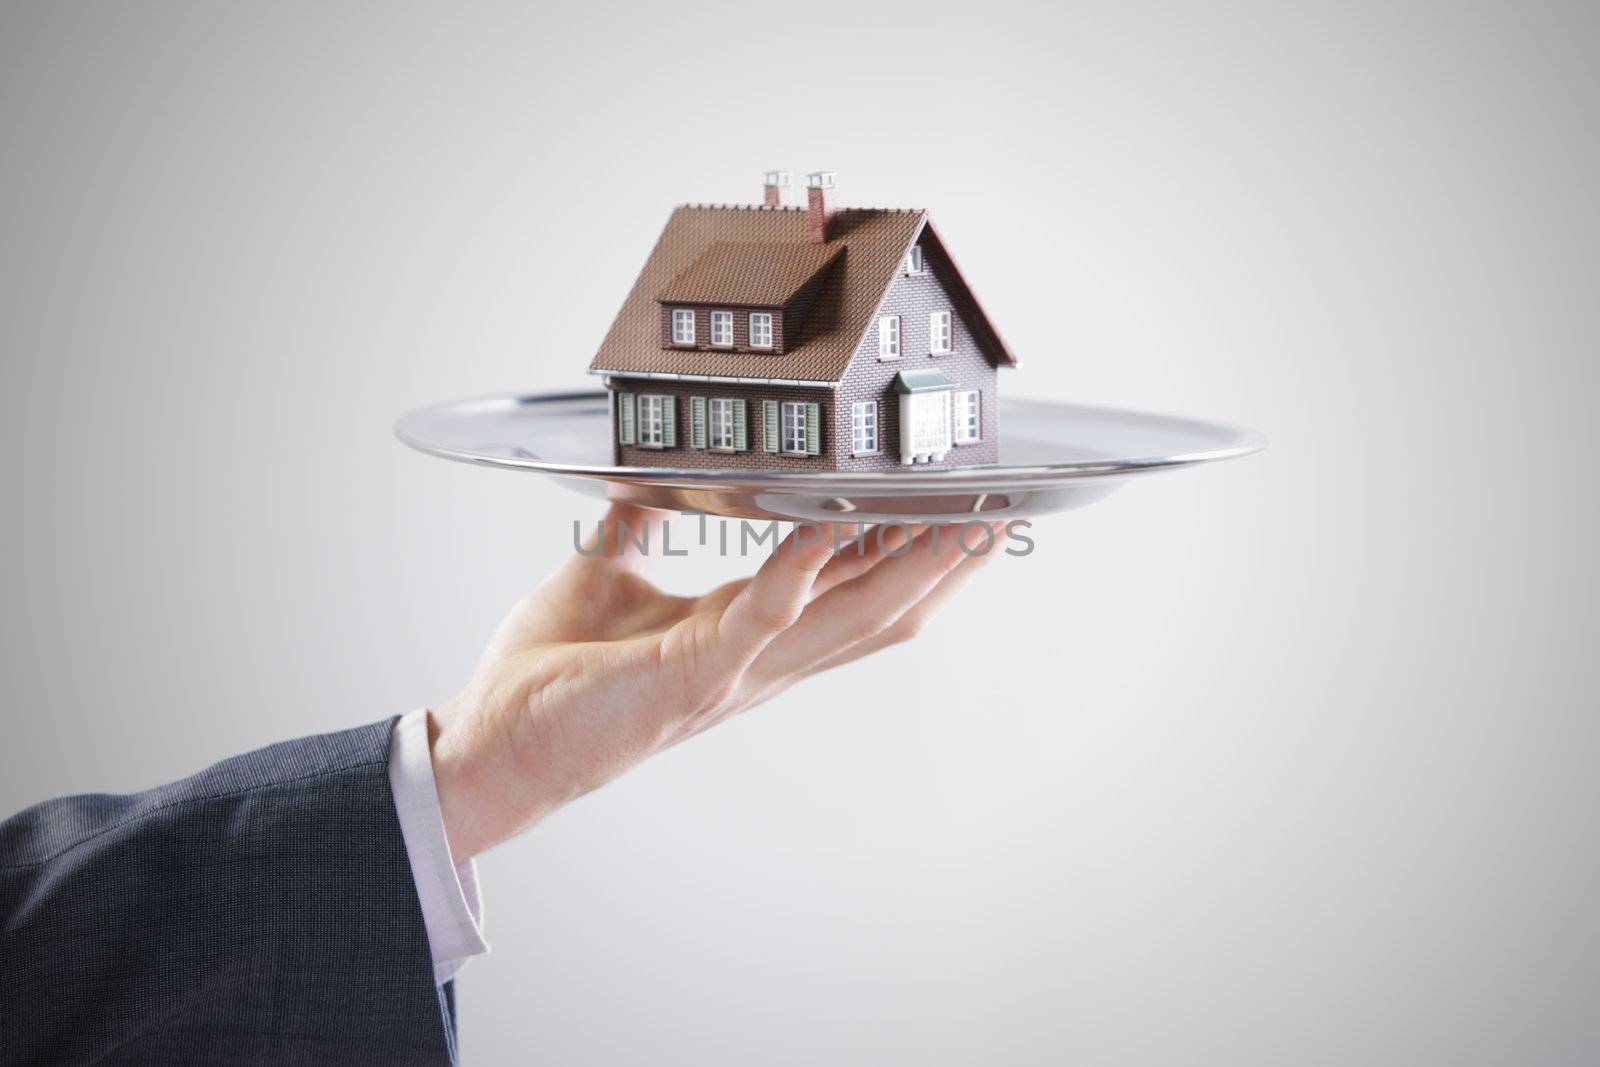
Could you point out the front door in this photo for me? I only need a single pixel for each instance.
(924, 426)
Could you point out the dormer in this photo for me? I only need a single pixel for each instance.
(744, 297)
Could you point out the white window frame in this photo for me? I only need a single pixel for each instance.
(930, 423)
(792, 421)
(941, 334)
(889, 337)
(680, 318)
(864, 428)
(719, 424)
(651, 421)
(968, 417)
(725, 319)
(763, 332)
(915, 263)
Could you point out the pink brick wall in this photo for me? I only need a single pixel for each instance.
(705, 459)
(912, 297)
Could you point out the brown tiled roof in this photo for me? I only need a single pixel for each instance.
(871, 243)
(750, 273)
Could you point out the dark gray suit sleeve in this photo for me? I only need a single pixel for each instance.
(261, 912)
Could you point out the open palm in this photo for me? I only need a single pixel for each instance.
(597, 669)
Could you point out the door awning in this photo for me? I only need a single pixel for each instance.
(926, 380)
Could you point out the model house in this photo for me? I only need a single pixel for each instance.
(801, 338)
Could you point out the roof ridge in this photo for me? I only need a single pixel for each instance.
(699, 206)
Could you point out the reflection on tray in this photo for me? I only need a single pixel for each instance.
(946, 504)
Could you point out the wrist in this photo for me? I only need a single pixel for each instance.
(456, 779)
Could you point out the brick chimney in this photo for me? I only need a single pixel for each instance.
(774, 188)
(819, 204)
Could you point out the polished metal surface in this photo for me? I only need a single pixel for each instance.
(1054, 457)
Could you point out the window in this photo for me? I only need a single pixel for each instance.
(722, 327)
(889, 337)
(720, 423)
(651, 421)
(682, 326)
(864, 428)
(794, 427)
(914, 264)
(789, 426)
(939, 332)
(930, 423)
(760, 329)
(967, 419)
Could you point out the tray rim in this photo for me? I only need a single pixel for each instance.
(1250, 441)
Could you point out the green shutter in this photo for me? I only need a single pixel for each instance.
(740, 440)
(669, 422)
(813, 429)
(769, 424)
(625, 418)
(697, 422)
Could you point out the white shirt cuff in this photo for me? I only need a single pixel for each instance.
(452, 910)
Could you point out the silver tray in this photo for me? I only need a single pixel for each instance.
(1054, 457)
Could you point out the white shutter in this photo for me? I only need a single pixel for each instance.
(769, 425)
(625, 418)
(697, 422)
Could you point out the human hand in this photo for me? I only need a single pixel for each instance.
(596, 669)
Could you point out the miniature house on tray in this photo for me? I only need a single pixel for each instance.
(801, 338)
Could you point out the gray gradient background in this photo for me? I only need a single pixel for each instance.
(1290, 760)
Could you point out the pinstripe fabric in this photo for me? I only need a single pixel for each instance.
(260, 912)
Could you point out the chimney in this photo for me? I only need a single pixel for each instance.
(819, 204)
(772, 190)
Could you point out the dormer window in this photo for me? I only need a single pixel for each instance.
(682, 326)
(722, 328)
(914, 264)
(744, 296)
(760, 329)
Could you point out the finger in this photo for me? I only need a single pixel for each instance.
(623, 539)
(870, 548)
(915, 619)
(862, 609)
(760, 685)
(720, 597)
(772, 600)
(846, 563)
